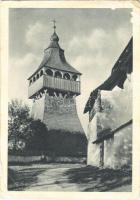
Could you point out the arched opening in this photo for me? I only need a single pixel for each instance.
(58, 74)
(74, 77)
(49, 72)
(67, 76)
(30, 82)
(41, 73)
(34, 79)
(37, 76)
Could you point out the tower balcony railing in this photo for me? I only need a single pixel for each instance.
(53, 83)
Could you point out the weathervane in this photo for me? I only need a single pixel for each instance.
(54, 26)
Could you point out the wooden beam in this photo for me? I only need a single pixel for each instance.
(111, 134)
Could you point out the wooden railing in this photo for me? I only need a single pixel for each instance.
(46, 81)
(35, 87)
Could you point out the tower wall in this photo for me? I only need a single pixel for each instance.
(66, 135)
(58, 113)
(38, 109)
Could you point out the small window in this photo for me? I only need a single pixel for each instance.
(30, 82)
(74, 77)
(67, 76)
(37, 76)
(49, 72)
(33, 79)
(41, 73)
(58, 74)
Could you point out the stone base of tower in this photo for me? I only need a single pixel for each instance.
(66, 135)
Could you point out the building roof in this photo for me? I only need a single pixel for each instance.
(54, 57)
(122, 67)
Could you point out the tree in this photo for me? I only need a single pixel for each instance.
(18, 123)
(23, 131)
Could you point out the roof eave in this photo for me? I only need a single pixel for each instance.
(53, 68)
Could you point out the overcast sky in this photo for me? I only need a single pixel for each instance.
(92, 39)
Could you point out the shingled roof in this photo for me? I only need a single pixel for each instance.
(54, 57)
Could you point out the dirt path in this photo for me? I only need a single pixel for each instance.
(54, 179)
(47, 177)
(68, 177)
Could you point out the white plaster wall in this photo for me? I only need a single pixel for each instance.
(118, 151)
(93, 151)
(121, 102)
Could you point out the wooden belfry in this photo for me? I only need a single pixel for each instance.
(54, 74)
(53, 88)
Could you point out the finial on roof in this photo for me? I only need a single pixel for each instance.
(54, 37)
(54, 26)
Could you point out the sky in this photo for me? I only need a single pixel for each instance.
(92, 39)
